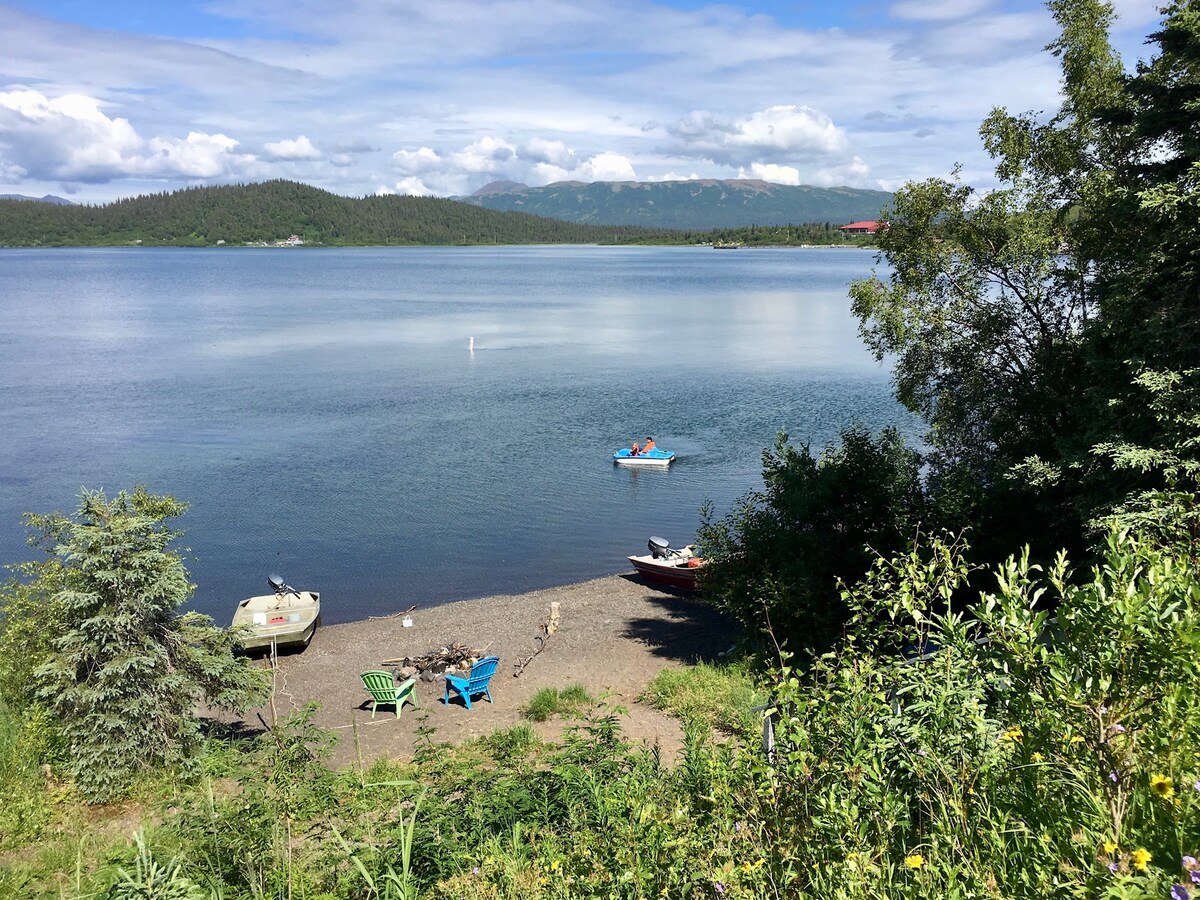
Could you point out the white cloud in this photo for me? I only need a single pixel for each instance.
(413, 161)
(535, 91)
(607, 167)
(70, 138)
(776, 133)
(773, 173)
(198, 156)
(300, 148)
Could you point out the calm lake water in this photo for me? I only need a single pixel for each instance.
(325, 416)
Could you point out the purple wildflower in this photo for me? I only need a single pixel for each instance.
(1179, 892)
(1118, 728)
(1114, 777)
(1196, 786)
(737, 826)
(475, 871)
(720, 887)
(1112, 867)
(1188, 862)
(1195, 877)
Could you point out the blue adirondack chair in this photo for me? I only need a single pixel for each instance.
(384, 690)
(475, 683)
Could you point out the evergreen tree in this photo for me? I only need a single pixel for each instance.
(127, 671)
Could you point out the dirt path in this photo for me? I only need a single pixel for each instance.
(615, 634)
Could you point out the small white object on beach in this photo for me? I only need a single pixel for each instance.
(407, 622)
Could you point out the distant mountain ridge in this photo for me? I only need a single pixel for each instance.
(697, 204)
(48, 198)
(282, 212)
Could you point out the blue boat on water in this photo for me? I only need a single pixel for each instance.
(626, 457)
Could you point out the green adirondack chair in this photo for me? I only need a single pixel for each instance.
(384, 690)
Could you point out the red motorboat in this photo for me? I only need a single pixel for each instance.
(666, 565)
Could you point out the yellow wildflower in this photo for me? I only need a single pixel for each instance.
(914, 861)
(1110, 848)
(1075, 739)
(1037, 757)
(1163, 786)
(1139, 858)
(1013, 734)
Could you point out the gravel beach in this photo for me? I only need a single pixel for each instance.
(614, 635)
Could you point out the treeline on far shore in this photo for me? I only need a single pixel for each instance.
(275, 211)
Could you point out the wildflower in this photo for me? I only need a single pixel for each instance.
(914, 860)
(737, 826)
(1163, 786)
(1140, 858)
(1075, 739)
(1037, 757)
(922, 752)
(1114, 777)
(1188, 862)
(1112, 867)
(1196, 785)
(1118, 728)
(1013, 734)
(1179, 892)
(720, 888)
(1110, 847)
(475, 871)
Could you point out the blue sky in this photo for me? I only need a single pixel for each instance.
(101, 100)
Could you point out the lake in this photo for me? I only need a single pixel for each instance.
(414, 426)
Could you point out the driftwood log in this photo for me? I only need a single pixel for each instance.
(455, 659)
(546, 629)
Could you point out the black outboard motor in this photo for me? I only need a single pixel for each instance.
(278, 586)
(660, 548)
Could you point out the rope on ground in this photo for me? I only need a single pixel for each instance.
(394, 615)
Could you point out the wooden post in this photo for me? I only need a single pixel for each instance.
(552, 625)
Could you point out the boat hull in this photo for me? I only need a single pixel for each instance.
(673, 572)
(281, 621)
(656, 457)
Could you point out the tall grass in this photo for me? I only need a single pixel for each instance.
(721, 697)
(1053, 760)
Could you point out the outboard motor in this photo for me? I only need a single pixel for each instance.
(278, 586)
(660, 548)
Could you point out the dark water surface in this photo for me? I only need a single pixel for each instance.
(325, 416)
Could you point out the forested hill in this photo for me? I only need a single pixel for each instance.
(276, 210)
(702, 204)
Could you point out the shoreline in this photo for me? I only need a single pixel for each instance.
(615, 634)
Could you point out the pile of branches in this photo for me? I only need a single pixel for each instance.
(455, 659)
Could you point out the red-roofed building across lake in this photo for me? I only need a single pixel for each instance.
(860, 228)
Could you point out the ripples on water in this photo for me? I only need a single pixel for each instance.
(323, 414)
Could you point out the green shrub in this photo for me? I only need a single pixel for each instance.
(720, 697)
(509, 743)
(549, 702)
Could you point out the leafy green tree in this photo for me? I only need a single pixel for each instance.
(1023, 319)
(126, 671)
(776, 560)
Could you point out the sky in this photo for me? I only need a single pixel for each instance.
(104, 99)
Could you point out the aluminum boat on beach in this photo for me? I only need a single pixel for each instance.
(666, 565)
(285, 618)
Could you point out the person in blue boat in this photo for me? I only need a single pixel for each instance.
(649, 445)
(635, 449)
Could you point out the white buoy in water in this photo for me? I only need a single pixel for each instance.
(471, 345)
